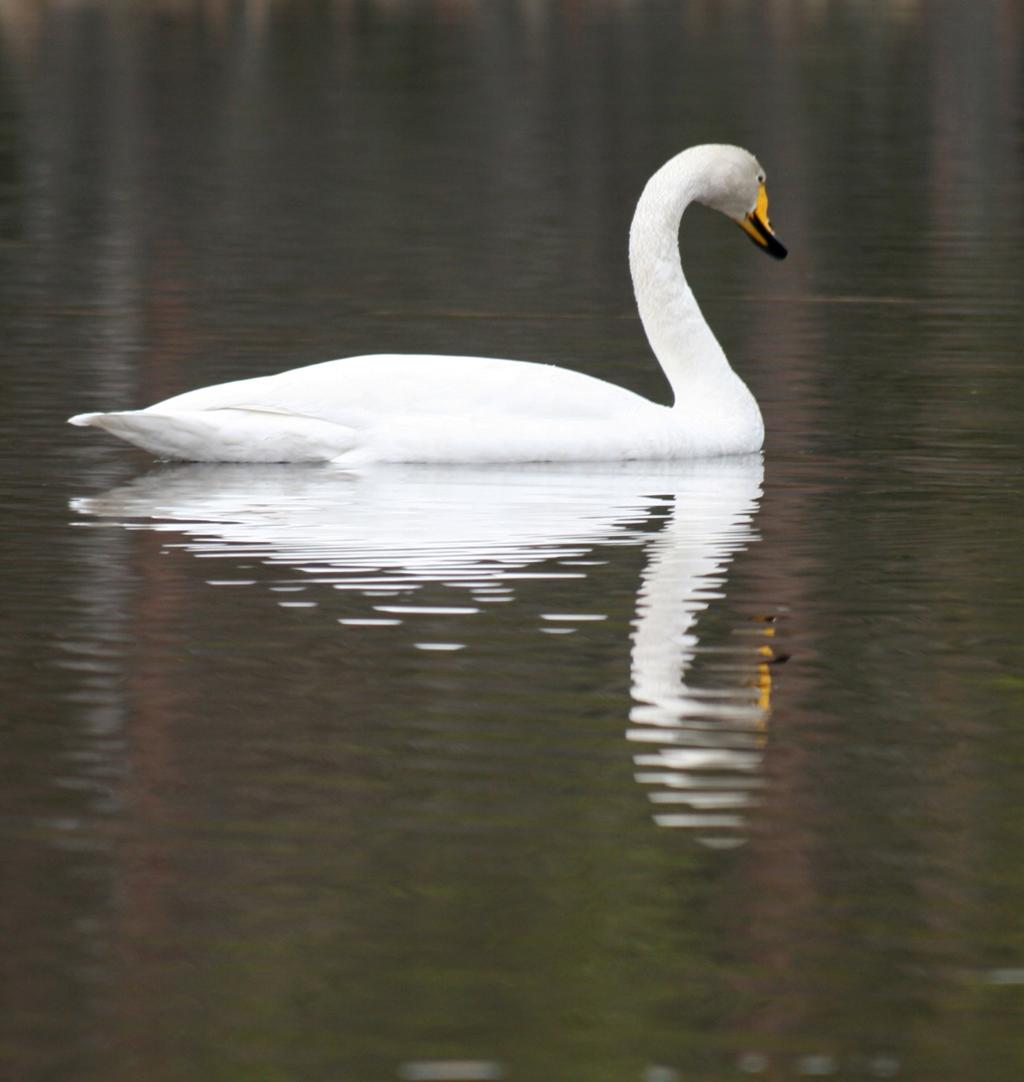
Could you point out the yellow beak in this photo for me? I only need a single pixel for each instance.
(757, 226)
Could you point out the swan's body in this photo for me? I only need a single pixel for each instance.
(422, 408)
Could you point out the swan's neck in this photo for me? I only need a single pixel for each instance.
(684, 344)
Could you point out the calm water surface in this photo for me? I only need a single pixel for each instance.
(703, 771)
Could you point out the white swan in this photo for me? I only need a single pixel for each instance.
(423, 408)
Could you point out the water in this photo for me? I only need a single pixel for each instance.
(653, 773)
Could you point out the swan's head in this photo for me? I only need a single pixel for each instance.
(733, 183)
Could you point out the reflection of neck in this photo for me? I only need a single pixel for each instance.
(704, 754)
(667, 606)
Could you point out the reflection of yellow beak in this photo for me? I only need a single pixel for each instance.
(759, 229)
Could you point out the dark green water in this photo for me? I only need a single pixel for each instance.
(700, 772)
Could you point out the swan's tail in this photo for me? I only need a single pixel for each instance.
(238, 434)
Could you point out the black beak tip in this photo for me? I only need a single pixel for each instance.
(765, 239)
(776, 248)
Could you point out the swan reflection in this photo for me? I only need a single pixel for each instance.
(698, 715)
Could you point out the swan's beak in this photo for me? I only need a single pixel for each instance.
(759, 229)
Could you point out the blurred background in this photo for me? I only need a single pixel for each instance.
(214, 855)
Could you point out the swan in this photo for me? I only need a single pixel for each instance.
(441, 409)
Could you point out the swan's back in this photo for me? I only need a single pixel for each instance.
(362, 392)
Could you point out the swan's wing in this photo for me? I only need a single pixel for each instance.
(231, 434)
(400, 408)
(360, 392)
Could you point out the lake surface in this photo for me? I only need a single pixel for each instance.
(699, 771)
